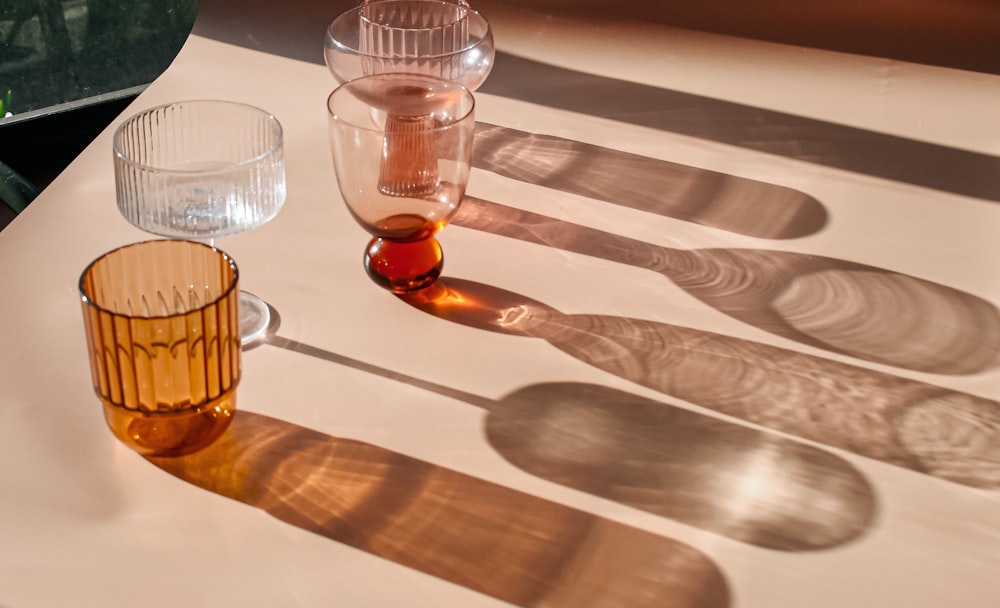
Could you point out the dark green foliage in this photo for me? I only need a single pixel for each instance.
(57, 51)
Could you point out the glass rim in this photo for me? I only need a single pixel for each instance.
(372, 129)
(269, 151)
(88, 300)
(464, 11)
(470, 16)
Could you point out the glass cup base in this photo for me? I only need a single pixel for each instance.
(171, 434)
(255, 319)
(404, 266)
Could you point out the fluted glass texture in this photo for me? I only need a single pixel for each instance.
(428, 37)
(163, 336)
(199, 169)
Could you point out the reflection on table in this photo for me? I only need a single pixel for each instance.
(700, 341)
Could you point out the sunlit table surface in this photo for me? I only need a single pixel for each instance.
(717, 328)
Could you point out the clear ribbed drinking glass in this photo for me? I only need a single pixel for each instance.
(202, 169)
(440, 38)
(162, 326)
(414, 36)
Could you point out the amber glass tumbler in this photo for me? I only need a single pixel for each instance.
(163, 336)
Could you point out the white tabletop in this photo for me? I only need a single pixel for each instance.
(610, 417)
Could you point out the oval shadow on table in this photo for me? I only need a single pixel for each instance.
(881, 155)
(727, 202)
(483, 536)
(270, 27)
(918, 426)
(722, 477)
(835, 305)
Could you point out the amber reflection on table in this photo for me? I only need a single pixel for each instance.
(513, 546)
(919, 426)
(726, 478)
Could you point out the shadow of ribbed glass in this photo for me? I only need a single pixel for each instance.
(700, 196)
(840, 306)
(268, 27)
(745, 484)
(921, 427)
(867, 152)
(483, 536)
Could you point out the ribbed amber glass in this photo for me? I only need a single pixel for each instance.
(163, 336)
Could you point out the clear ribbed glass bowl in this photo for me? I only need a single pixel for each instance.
(199, 169)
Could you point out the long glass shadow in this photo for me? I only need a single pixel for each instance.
(964, 172)
(925, 428)
(512, 546)
(814, 141)
(840, 306)
(700, 196)
(748, 485)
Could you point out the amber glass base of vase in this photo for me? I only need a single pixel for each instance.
(404, 266)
